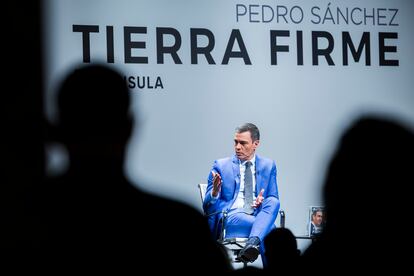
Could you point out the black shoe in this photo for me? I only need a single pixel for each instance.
(250, 252)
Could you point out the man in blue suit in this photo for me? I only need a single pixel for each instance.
(245, 187)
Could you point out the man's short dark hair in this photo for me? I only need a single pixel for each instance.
(315, 210)
(254, 131)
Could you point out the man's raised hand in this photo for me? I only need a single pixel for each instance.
(216, 183)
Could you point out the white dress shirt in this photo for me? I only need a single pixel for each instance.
(239, 203)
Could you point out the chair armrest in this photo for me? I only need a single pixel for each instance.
(215, 213)
(222, 222)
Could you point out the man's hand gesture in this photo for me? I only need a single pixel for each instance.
(216, 184)
(259, 199)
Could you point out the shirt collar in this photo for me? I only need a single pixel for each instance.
(253, 160)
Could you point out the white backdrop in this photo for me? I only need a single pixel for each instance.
(301, 110)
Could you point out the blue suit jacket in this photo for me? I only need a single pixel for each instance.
(229, 170)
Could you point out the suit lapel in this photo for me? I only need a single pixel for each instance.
(259, 182)
(236, 173)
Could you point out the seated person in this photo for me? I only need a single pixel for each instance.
(245, 186)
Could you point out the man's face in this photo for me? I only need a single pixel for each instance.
(317, 218)
(244, 146)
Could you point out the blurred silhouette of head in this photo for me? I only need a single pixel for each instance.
(281, 248)
(94, 119)
(367, 187)
(367, 190)
(96, 217)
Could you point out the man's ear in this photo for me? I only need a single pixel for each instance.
(257, 143)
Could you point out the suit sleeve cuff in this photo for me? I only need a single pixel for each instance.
(214, 198)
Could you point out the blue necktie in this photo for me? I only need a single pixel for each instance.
(248, 189)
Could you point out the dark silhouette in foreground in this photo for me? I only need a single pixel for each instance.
(367, 195)
(282, 252)
(95, 219)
